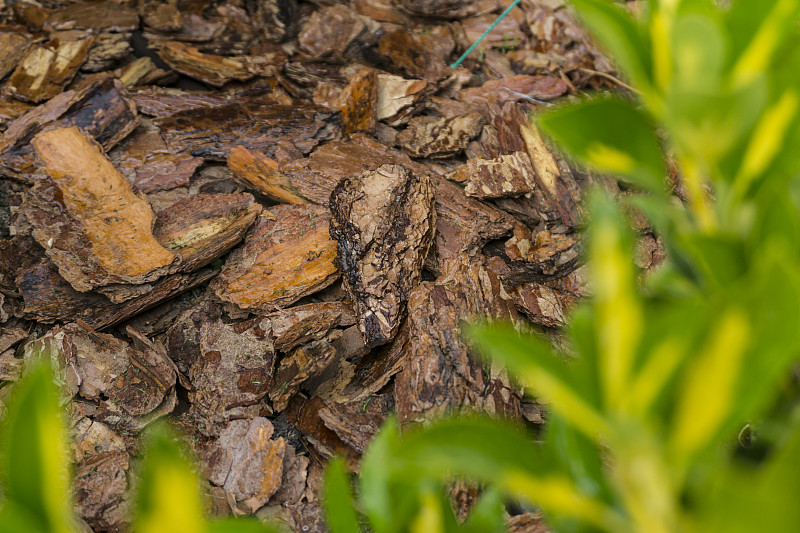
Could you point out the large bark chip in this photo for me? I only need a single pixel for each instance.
(281, 261)
(88, 218)
(384, 222)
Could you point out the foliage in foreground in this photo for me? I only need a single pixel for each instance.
(647, 406)
(35, 472)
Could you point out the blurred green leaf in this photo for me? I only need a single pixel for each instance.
(338, 499)
(610, 135)
(35, 458)
(168, 496)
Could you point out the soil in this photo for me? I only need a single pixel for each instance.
(268, 220)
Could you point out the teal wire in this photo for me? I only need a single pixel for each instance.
(489, 29)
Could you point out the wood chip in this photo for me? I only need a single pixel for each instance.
(281, 261)
(87, 217)
(212, 69)
(383, 221)
(439, 137)
(46, 69)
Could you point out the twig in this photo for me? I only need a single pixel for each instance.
(610, 78)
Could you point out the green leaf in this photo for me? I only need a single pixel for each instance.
(610, 135)
(34, 455)
(168, 496)
(338, 499)
(540, 369)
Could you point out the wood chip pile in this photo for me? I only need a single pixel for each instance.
(268, 220)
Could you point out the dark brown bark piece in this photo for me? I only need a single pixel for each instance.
(418, 55)
(143, 158)
(87, 217)
(46, 69)
(107, 50)
(509, 89)
(374, 370)
(101, 490)
(281, 261)
(303, 413)
(102, 110)
(211, 132)
(507, 175)
(315, 177)
(109, 16)
(302, 364)
(330, 29)
(384, 222)
(165, 101)
(448, 9)
(463, 224)
(357, 422)
(277, 19)
(230, 375)
(128, 382)
(438, 136)
(48, 297)
(527, 523)
(246, 462)
(442, 373)
(289, 328)
(204, 226)
(208, 68)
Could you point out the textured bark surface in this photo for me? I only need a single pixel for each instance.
(44, 70)
(101, 109)
(442, 374)
(88, 218)
(225, 143)
(287, 255)
(383, 221)
(439, 137)
(208, 68)
(211, 132)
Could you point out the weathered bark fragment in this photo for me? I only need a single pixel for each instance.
(418, 55)
(442, 373)
(357, 422)
(208, 68)
(211, 132)
(384, 222)
(289, 328)
(507, 175)
(107, 50)
(463, 224)
(230, 371)
(101, 490)
(46, 69)
(314, 178)
(277, 19)
(302, 364)
(330, 29)
(261, 174)
(281, 261)
(497, 92)
(101, 110)
(246, 463)
(448, 9)
(438, 136)
(127, 383)
(205, 226)
(304, 415)
(396, 95)
(87, 217)
(109, 16)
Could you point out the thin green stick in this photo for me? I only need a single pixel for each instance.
(490, 28)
